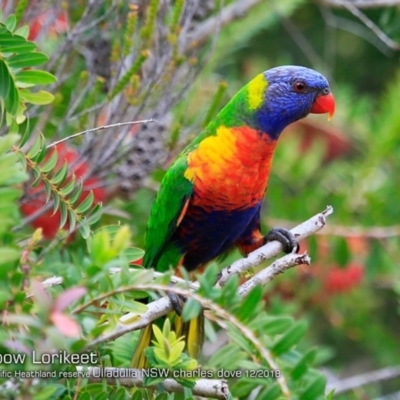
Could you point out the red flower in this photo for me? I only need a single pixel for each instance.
(340, 280)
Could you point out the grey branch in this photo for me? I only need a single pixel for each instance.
(354, 382)
(207, 28)
(271, 249)
(364, 3)
(353, 8)
(100, 128)
(130, 377)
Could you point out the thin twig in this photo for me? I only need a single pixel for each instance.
(267, 274)
(369, 24)
(354, 382)
(368, 232)
(229, 13)
(100, 128)
(131, 377)
(364, 3)
(303, 43)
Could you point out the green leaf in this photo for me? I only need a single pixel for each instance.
(191, 310)
(77, 193)
(315, 389)
(15, 44)
(5, 79)
(134, 307)
(60, 175)
(86, 204)
(119, 394)
(133, 253)
(40, 156)
(95, 214)
(302, 365)
(8, 255)
(176, 352)
(270, 393)
(23, 31)
(47, 189)
(250, 304)
(68, 188)
(6, 142)
(237, 337)
(40, 98)
(84, 230)
(243, 388)
(26, 60)
(51, 163)
(163, 396)
(27, 133)
(72, 220)
(10, 22)
(85, 396)
(101, 396)
(271, 325)
(228, 352)
(35, 77)
(290, 338)
(37, 176)
(230, 289)
(157, 334)
(137, 396)
(64, 214)
(36, 147)
(11, 102)
(330, 395)
(56, 199)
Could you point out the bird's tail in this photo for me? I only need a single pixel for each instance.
(192, 331)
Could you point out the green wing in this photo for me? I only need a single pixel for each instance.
(165, 215)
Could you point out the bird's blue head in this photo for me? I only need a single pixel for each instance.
(286, 94)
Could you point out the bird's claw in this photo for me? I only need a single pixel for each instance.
(177, 302)
(285, 238)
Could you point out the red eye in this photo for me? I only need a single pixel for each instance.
(299, 87)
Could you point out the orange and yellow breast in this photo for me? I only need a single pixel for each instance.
(230, 170)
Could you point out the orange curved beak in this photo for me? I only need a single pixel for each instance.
(324, 104)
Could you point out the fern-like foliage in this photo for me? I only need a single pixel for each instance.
(18, 56)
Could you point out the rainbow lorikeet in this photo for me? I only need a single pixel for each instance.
(210, 198)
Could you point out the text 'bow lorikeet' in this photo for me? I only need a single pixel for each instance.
(210, 198)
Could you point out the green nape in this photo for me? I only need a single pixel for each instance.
(248, 99)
